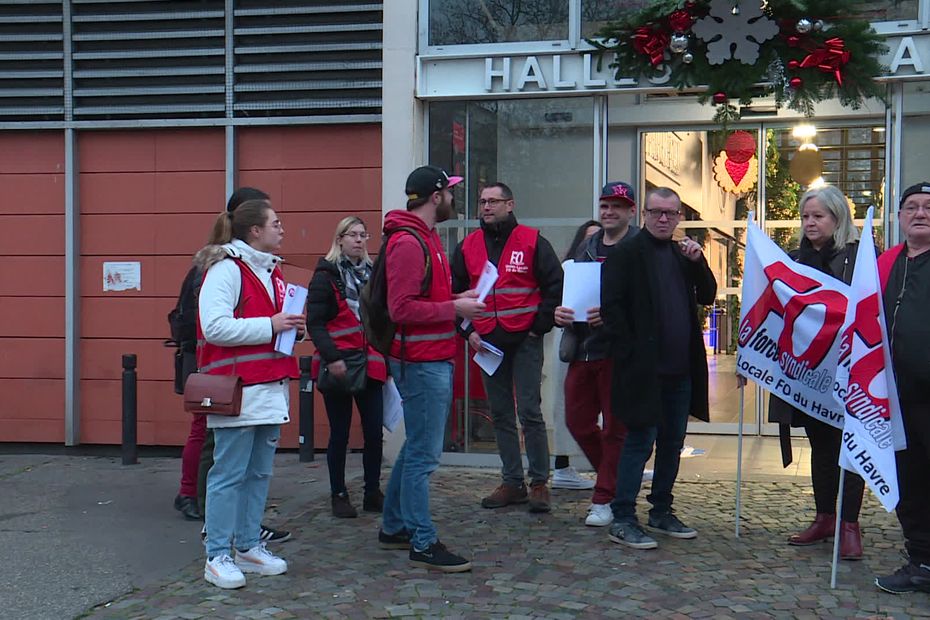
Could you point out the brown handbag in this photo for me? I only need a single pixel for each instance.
(213, 394)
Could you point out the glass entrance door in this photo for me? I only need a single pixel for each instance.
(723, 175)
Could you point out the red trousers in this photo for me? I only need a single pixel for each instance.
(587, 395)
(190, 457)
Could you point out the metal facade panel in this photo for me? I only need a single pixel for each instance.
(167, 59)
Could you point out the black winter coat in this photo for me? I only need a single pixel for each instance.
(629, 290)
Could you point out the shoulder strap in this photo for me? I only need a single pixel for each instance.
(428, 272)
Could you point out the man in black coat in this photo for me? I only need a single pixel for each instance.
(650, 288)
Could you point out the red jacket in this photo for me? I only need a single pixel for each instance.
(514, 300)
(254, 363)
(425, 324)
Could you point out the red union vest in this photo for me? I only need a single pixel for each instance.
(514, 300)
(347, 333)
(885, 263)
(258, 363)
(427, 342)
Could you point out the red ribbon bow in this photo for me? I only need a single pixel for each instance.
(651, 43)
(830, 59)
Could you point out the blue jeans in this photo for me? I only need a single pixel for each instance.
(669, 438)
(426, 388)
(237, 486)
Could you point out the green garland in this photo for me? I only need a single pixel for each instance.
(779, 69)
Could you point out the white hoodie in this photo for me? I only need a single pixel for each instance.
(265, 403)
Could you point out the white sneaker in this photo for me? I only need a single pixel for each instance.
(568, 478)
(222, 572)
(647, 475)
(599, 515)
(259, 560)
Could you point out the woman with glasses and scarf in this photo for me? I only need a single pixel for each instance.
(356, 371)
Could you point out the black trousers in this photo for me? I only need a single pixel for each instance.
(339, 411)
(825, 472)
(913, 470)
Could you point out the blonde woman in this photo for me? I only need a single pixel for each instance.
(356, 371)
(829, 243)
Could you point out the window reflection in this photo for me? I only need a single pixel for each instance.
(454, 22)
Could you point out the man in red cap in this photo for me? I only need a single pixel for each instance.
(589, 379)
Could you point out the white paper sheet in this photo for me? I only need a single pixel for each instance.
(393, 405)
(294, 299)
(485, 284)
(581, 289)
(489, 357)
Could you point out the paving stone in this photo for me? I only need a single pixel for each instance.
(527, 566)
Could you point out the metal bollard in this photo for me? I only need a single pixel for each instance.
(305, 414)
(129, 448)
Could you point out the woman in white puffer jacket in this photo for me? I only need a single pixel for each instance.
(239, 316)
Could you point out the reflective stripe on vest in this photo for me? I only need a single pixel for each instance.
(423, 337)
(242, 359)
(345, 332)
(514, 301)
(531, 309)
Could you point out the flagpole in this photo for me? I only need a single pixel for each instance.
(836, 529)
(739, 454)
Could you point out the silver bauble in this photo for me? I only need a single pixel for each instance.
(818, 25)
(687, 58)
(804, 25)
(678, 43)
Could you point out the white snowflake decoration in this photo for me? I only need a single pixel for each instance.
(736, 35)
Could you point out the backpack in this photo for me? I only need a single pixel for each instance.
(373, 298)
(182, 320)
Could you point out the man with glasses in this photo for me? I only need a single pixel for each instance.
(905, 277)
(590, 372)
(519, 312)
(650, 289)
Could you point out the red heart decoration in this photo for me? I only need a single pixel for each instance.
(736, 169)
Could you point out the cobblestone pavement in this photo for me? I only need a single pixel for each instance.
(552, 566)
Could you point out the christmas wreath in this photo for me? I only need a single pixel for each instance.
(800, 51)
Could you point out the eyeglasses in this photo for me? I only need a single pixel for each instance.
(913, 209)
(492, 201)
(658, 213)
(357, 235)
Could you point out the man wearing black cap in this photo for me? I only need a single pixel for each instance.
(519, 313)
(904, 271)
(590, 372)
(421, 362)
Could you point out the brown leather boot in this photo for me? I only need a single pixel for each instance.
(850, 541)
(342, 507)
(539, 497)
(820, 529)
(504, 495)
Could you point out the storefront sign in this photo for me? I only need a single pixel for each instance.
(576, 72)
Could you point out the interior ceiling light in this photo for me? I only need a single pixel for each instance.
(808, 146)
(818, 182)
(804, 132)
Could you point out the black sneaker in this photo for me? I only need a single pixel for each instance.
(373, 502)
(670, 525)
(187, 506)
(437, 557)
(631, 534)
(400, 540)
(269, 535)
(909, 578)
